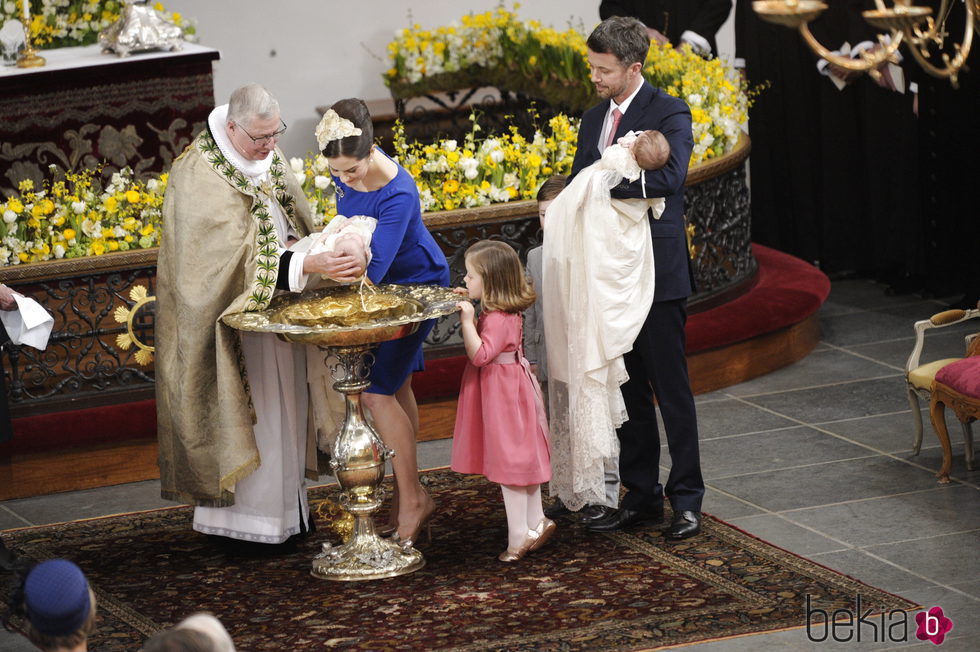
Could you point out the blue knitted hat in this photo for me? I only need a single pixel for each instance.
(57, 598)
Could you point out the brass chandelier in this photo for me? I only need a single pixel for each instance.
(924, 33)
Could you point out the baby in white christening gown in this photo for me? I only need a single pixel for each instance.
(346, 235)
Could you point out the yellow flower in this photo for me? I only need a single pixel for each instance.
(25, 185)
(132, 197)
(111, 204)
(113, 245)
(159, 6)
(68, 233)
(98, 247)
(450, 186)
(147, 230)
(15, 205)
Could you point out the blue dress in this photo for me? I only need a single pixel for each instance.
(403, 251)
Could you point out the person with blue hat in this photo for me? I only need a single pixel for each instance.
(59, 606)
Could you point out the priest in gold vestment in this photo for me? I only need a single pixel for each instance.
(234, 426)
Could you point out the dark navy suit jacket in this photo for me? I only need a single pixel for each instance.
(652, 109)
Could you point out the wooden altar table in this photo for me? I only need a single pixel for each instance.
(85, 109)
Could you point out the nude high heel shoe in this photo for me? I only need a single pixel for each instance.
(410, 540)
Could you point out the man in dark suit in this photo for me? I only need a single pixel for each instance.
(678, 21)
(657, 365)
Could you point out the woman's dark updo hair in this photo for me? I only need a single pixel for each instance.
(357, 147)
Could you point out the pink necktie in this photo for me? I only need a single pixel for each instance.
(616, 115)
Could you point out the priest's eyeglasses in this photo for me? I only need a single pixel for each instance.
(262, 140)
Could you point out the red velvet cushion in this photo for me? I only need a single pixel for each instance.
(962, 376)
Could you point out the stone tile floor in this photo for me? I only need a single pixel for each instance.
(815, 458)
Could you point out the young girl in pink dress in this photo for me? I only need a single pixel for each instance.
(501, 430)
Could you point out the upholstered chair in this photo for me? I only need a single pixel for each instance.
(956, 386)
(918, 375)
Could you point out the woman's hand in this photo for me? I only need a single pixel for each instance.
(342, 268)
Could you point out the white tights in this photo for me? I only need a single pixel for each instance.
(524, 512)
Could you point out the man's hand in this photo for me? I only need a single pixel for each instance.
(7, 301)
(651, 149)
(342, 268)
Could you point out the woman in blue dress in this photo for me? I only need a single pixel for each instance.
(370, 183)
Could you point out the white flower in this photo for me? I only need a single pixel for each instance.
(470, 174)
(78, 207)
(59, 251)
(449, 145)
(153, 185)
(497, 155)
(9, 216)
(321, 182)
(300, 177)
(92, 229)
(296, 164)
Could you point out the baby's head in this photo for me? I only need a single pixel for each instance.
(504, 286)
(651, 149)
(547, 192)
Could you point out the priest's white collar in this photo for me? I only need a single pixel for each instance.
(218, 121)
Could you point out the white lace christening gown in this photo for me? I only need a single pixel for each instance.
(598, 282)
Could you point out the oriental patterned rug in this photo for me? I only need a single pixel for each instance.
(584, 591)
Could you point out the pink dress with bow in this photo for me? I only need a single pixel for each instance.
(501, 430)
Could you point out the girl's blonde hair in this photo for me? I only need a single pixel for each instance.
(505, 286)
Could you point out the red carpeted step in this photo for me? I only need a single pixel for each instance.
(80, 428)
(788, 291)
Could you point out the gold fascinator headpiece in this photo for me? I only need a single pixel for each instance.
(333, 127)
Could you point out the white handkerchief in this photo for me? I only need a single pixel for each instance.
(29, 324)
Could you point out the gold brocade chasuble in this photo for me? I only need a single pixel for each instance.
(219, 254)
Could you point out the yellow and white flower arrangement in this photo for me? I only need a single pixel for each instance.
(76, 217)
(484, 171)
(65, 23)
(496, 48)
(449, 174)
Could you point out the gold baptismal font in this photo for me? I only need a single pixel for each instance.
(347, 323)
(904, 22)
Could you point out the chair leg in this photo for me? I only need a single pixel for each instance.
(937, 414)
(917, 419)
(968, 443)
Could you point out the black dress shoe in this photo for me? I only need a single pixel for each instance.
(626, 518)
(685, 524)
(556, 509)
(594, 513)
